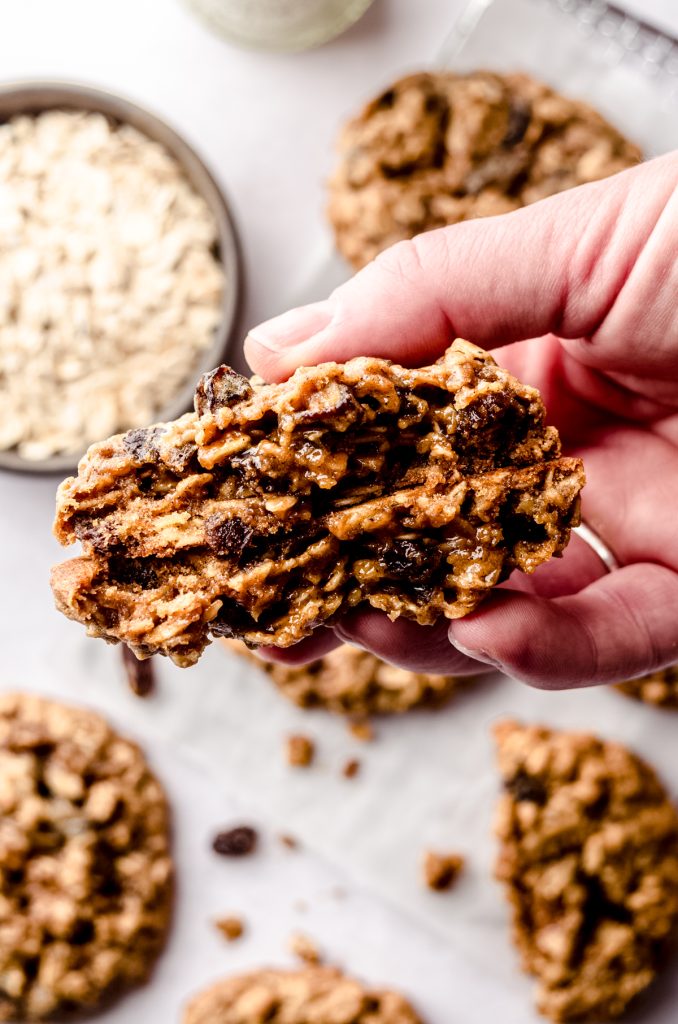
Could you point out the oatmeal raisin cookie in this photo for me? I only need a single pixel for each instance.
(351, 681)
(437, 148)
(85, 868)
(589, 859)
(658, 688)
(312, 995)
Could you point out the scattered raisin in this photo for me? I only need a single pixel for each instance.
(236, 842)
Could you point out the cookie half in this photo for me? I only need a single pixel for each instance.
(658, 688)
(438, 148)
(85, 866)
(589, 859)
(349, 681)
(314, 995)
(274, 507)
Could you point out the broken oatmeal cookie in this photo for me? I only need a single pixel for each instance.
(274, 507)
(589, 858)
(658, 688)
(311, 994)
(439, 148)
(351, 681)
(85, 867)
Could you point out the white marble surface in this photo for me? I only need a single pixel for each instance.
(266, 124)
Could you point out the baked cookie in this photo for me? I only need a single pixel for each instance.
(274, 507)
(85, 868)
(312, 995)
(659, 688)
(438, 148)
(589, 858)
(353, 682)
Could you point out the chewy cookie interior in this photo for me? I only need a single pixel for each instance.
(274, 507)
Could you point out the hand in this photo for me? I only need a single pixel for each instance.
(591, 278)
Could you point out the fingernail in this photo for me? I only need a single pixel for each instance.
(471, 652)
(291, 327)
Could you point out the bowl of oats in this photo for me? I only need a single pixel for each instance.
(119, 272)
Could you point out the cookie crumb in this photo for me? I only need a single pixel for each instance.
(289, 841)
(300, 751)
(236, 842)
(441, 870)
(230, 927)
(351, 768)
(305, 948)
(140, 674)
(361, 729)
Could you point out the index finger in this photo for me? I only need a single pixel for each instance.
(584, 264)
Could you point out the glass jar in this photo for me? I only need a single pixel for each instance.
(279, 24)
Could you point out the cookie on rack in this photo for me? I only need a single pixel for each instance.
(658, 688)
(85, 865)
(312, 995)
(437, 148)
(350, 681)
(589, 858)
(274, 507)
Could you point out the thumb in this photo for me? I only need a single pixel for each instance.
(556, 266)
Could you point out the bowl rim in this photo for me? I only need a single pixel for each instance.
(35, 95)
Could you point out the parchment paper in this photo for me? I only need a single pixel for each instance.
(216, 732)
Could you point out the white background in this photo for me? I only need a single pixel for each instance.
(266, 125)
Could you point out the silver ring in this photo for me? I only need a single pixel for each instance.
(597, 544)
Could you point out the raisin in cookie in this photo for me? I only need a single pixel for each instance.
(438, 148)
(85, 868)
(274, 507)
(350, 681)
(589, 858)
(658, 688)
(314, 995)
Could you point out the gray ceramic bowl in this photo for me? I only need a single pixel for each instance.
(34, 97)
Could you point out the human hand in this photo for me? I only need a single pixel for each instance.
(590, 278)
